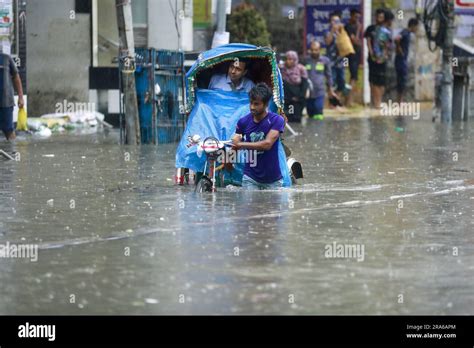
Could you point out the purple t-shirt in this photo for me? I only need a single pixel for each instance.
(266, 170)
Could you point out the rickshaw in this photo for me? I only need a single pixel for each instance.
(213, 114)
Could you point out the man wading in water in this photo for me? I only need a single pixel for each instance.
(260, 131)
(9, 79)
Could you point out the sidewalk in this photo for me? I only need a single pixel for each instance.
(360, 111)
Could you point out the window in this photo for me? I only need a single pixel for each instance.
(140, 13)
(84, 6)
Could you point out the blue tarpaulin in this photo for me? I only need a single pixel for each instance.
(213, 117)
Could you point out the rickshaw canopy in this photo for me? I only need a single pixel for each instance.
(227, 53)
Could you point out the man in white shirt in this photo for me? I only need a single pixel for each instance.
(234, 80)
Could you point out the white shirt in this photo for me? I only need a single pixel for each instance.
(224, 83)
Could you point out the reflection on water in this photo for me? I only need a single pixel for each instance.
(116, 237)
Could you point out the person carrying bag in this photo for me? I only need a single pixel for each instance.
(344, 44)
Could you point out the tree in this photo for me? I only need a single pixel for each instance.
(247, 25)
(285, 22)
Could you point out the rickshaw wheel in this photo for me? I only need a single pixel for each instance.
(204, 185)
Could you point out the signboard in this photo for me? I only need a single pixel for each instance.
(464, 3)
(464, 7)
(6, 25)
(6, 16)
(465, 28)
(317, 16)
(202, 13)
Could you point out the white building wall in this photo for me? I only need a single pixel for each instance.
(162, 28)
(58, 55)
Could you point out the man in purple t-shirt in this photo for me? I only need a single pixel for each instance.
(260, 131)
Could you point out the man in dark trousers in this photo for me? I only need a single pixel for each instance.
(332, 52)
(9, 79)
(377, 44)
(260, 131)
(320, 78)
(402, 42)
(354, 30)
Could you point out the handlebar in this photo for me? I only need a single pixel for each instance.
(209, 145)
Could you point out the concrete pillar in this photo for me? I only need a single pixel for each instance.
(59, 55)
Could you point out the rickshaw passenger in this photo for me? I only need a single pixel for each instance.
(260, 131)
(234, 80)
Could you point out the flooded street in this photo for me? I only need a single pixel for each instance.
(116, 236)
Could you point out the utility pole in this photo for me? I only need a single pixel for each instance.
(447, 68)
(367, 19)
(221, 37)
(221, 16)
(127, 59)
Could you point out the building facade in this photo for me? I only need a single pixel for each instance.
(73, 47)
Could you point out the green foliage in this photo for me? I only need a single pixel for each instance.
(247, 25)
(286, 29)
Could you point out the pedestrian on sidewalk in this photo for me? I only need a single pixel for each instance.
(388, 25)
(378, 37)
(354, 30)
(295, 84)
(320, 79)
(337, 63)
(9, 80)
(402, 42)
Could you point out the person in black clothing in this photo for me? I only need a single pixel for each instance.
(295, 84)
(389, 17)
(9, 81)
(376, 44)
(354, 30)
(402, 42)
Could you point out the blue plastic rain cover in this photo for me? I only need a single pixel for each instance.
(216, 114)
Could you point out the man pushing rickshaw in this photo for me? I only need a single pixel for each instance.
(235, 92)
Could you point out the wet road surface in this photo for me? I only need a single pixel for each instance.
(116, 237)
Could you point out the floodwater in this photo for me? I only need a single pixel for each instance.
(116, 237)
